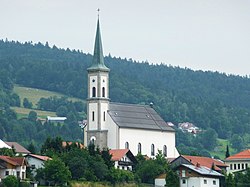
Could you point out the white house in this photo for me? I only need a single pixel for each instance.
(122, 126)
(123, 159)
(238, 162)
(36, 161)
(200, 176)
(12, 166)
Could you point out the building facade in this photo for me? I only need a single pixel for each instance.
(118, 125)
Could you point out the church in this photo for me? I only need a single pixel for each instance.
(120, 125)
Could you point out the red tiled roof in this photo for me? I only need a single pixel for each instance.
(117, 154)
(19, 160)
(64, 144)
(18, 148)
(40, 157)
(205, 161)
(9, 160)
(241, 155)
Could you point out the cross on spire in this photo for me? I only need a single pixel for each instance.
(98, 10)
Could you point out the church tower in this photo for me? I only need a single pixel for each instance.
(98, 96)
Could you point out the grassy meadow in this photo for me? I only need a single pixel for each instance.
(34, 95)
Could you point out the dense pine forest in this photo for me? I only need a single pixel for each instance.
(216, 102)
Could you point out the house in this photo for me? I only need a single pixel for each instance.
(35, 162)
(238, 162)
(216, 164)
(138, 128)
(20, 150)
(55, 119)
(198, 175)
(123, 158)
(188, 127)
(13, 166)
(78, 144)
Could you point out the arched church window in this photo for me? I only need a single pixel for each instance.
(92, 140)
(93, 92)
(139, 147)
(93, 116)
(104, 116)
(103, 91)
(152, 150)
(126, 145)
(165, 150)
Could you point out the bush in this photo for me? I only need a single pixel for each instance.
(10, 181)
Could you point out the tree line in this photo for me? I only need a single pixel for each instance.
(207, 99)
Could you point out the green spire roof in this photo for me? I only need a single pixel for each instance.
(98, 59)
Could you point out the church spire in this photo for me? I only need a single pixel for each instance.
(98, 59)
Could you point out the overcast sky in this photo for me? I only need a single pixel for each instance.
(197, 34)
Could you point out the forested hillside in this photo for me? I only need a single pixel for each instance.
(207, 99)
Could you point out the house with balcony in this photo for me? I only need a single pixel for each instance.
(123, 158)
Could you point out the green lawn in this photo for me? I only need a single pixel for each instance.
(23, 112)
(34, 95)
(220, 150)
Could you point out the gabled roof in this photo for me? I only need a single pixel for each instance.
(137, 116)
(241, 155)
(202, 170)
(18, 148)
(117, 154)
(19, 160)
(40, 157)
(8, 160)
(205, 161)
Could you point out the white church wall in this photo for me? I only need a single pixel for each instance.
(147, 138)
(112, 133)
(92, 125)
(104, 108)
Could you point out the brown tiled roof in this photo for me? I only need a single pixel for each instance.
(241, 155)
(18, 148)
(205, 161)
(117, 154)
(40, 157)
(9, 160)
(19, 160)
(64, 144)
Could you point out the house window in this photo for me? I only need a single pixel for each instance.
(214, 182)
(242, 166)
(165, 150)
(234, 166)
(103, 91)
(205, 181)
(231, 166)
(183, 181)
(139, 148)
(18, 174)
(152, 150)
(23, 175)
(93, 116)
(93, 92)
(104, 117)
(7, 173)
(126, 145)
(183, 173)
(238, 166)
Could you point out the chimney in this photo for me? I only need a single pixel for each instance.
(198, 165)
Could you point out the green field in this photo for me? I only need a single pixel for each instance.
(220, 150)
(34, 94)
